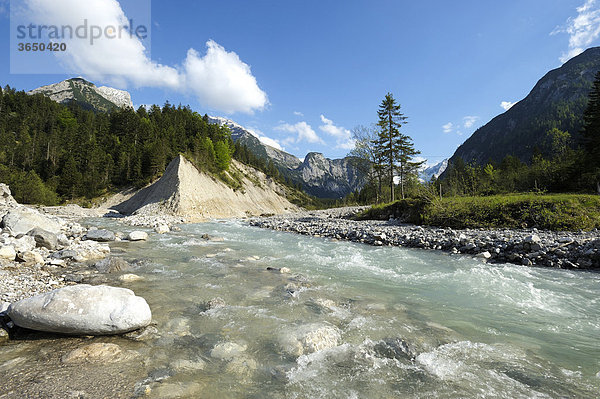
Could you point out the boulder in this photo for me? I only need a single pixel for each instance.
(162, 229)
(21, 220)
(309, 339)
(137, 236)
(100, 235)
(44, 238)
(23, 244)
(112, 265)
(6, 199)
(82, 310)
(8, 253)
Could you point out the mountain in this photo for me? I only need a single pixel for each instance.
(558, 100)
(86, 94)
(326, 178)
(243, 136)
(319, 176)
(186, 192)
(434, 171)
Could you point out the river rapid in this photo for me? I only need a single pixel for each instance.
(348, 321)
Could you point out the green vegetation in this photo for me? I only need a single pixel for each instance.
(51, 153)
(482, 196)
(383, 153)
(548, 212)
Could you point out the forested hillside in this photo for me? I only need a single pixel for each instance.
(50, 151)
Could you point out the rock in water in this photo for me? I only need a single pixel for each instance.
(100, 235)
(82, 310)
(137, 236)
(112, 265)
(98, 352)
(44, 238)
(309, 339)
(22, 220)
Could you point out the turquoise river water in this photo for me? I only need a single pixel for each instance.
(469, 329)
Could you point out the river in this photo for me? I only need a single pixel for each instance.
(410, 323)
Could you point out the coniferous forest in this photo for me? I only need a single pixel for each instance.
(51, 152)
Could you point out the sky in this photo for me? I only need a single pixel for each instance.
(302, 74)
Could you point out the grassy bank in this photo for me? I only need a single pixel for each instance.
(549, 212)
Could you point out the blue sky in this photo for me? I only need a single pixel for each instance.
(304, 73)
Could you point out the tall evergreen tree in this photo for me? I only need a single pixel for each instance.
(591, 133)
(396, 150)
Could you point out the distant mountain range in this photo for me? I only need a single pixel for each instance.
(558, 100)
(319, 176)
(433, 172)
(86, 94)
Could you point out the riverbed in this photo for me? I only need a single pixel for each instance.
(386, 322)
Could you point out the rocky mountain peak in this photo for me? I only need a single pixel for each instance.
(86, 94)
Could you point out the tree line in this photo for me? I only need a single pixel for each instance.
(569, 165)
(560, 163)
(52, 152)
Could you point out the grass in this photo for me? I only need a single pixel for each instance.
(560, 212)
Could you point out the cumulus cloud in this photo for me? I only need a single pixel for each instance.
(222, 80)
(583, 29)
(507, 105)
(301, 131)
(298, 113)
(343, 136)
(448, 127)
(219, 79)
(469, 121)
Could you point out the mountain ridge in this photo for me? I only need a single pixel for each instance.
(558, 100)
(86, 94)
(318, 175)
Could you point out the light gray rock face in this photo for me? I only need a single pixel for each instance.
(22, 220)
(100, 235)
(44, 238)
(82, 310)
(6, 199)
(328, 178)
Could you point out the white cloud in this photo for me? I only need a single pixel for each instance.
(298, 113)
(448, 127)
(264, 139)
(343, 136)
(469, 121)
(583, 30)
(303, 132)
(219, 79)
(507, 105)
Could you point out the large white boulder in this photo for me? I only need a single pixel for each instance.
(82, 310)
(21, 220)
(137, 236)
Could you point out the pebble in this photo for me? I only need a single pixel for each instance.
(523, 247)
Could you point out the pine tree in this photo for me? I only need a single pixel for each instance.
(395, 150)
(591, 132)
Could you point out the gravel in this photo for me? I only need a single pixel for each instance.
(569, 250)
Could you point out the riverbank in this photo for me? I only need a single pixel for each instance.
(570, 250)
